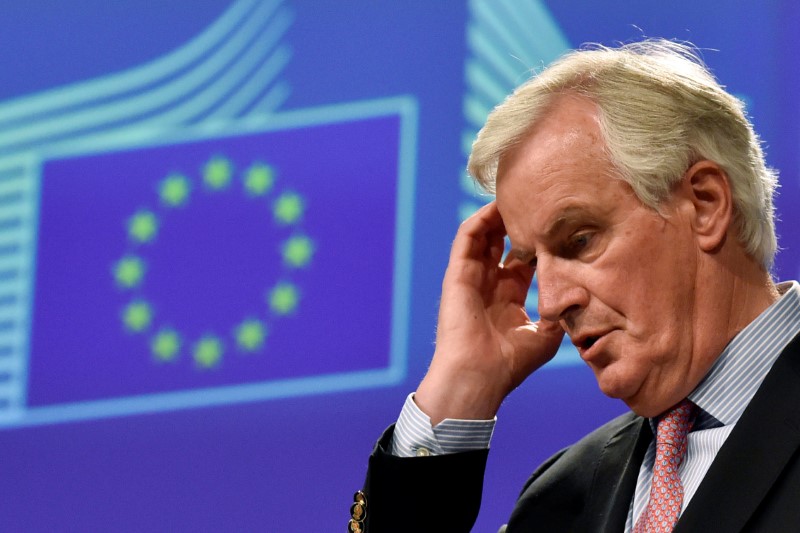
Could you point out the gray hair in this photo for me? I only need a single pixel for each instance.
(660, 111)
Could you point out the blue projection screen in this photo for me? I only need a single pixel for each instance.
(223, 227)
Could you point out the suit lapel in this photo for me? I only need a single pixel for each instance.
(617, 470)
(755, 453)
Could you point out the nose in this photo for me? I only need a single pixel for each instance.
(561, 292)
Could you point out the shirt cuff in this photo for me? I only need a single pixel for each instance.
(414, 436)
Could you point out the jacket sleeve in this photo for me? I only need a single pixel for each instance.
(434, 493)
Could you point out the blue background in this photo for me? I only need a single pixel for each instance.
(292, 462)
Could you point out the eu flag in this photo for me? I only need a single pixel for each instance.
(240, 259)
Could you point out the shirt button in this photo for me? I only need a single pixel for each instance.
(423, 452)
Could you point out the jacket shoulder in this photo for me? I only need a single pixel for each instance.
(558, 493)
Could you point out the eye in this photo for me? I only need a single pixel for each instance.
(580, 240)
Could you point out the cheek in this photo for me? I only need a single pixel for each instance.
(659, 337)
(660, 280)
(659, 314)
(655, 305)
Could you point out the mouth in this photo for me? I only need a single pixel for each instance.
(585, 343)
(589, 341)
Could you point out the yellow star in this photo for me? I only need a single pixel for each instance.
(137, 316)
(174, 190)
(283, 299)
(166, 345)
(143, 226)
(217, 173)
(259, 179)
(297, 251)
(250, 335)
(288, 208)
(129, 272)
(208, 351)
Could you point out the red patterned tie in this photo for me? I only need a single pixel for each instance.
(666, 492)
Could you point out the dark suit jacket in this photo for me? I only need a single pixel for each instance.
(752, 485)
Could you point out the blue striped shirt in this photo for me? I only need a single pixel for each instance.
(722, 396)
(413, 434)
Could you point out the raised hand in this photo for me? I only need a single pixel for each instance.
(486, 344)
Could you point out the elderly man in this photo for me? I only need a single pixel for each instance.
(632, 185)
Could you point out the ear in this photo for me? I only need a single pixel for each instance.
(707, 187)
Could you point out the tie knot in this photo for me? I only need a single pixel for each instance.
(676, 424)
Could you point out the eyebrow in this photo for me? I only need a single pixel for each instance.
(522, 255)
(565, 217)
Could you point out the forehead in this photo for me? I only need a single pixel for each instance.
(567, 134)
(558, 170)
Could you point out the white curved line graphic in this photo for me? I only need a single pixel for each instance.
(13, 139)
(129, 80)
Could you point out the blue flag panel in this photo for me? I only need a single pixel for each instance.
(224, 261)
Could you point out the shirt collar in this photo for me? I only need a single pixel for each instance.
(737, 373)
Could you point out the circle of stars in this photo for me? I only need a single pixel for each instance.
(250, 334)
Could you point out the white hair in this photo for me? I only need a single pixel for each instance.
(660, 111)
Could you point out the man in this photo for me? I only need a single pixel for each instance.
(635, 189)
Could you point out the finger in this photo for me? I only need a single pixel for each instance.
(480, 231)
(540, 342)
(510, 259)
(549, 327)
(515, 266)
(497, 246)
(550, 332)
(515, 281)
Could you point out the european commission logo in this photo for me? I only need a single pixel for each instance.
(244, 265)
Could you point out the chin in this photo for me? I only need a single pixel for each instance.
(645, 405)
(613, 390)
(620, 387)
(642, 408)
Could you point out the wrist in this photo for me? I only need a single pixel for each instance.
(458, 396)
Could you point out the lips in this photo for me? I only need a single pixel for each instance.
(589, 342)
(586, 341)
